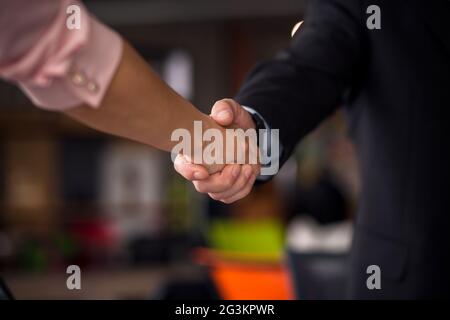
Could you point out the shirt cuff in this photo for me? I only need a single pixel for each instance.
(79, 71)
(264, 143)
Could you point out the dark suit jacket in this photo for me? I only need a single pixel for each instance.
(394, 83)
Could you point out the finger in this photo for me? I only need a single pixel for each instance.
(228, 112)
(240, 183)
(243, 193)
(219, 182)
(189, 170)
(224, 111)
(256, 168)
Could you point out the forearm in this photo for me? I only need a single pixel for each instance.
(90, 67)
(138, 105)
(293, 104)
(305, 83)
(92, 76)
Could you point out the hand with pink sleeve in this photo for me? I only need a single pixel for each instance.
(90, 73)
(57, 67)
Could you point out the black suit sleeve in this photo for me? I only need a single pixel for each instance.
(305, 82)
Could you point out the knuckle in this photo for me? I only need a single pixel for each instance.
(241, 182)
(228, 182)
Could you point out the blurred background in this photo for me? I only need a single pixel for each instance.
(71, 195)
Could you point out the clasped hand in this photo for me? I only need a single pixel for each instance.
(234, 181)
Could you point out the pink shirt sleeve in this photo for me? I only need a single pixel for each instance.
(57, 67)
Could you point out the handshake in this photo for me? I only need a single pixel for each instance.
(230, 180)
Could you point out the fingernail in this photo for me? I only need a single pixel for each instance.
(198, 175)
(236, 171)
(223, 115)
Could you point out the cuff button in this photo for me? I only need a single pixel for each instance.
(92, 86)
(78, 78)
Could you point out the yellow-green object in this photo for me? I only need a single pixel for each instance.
(252, 239)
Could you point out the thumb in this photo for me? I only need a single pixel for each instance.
(224, 112)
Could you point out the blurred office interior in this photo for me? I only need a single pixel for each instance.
(71, 195)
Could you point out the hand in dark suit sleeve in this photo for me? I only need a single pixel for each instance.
(294, 91)
(306, 81)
